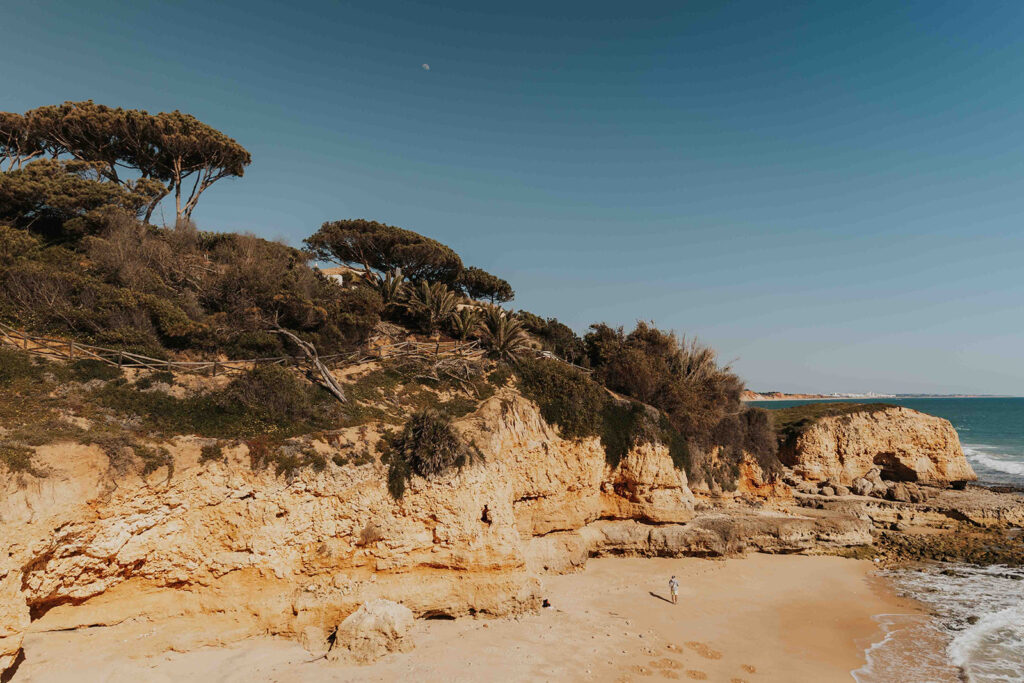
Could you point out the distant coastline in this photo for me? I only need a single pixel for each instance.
(749, 395)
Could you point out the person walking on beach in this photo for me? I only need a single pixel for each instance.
(673, 588)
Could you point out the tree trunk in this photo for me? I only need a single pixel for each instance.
(310, 351)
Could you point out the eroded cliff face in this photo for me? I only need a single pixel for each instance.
(270, 554)
(225, 552)
(904, 444)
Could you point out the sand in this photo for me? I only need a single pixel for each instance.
(759, 618)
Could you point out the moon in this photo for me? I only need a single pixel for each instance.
(426, 67)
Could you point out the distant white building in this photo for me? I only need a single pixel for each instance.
(343, 275)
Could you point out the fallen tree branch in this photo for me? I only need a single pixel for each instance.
(314, 359)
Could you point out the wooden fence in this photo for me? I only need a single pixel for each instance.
(64, 349)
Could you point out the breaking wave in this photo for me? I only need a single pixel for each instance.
(976, 632)
(988, 458)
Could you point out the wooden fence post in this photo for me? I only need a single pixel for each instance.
(71, 350)
(214, 368)
(120, 358)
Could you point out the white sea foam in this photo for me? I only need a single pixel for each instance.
(993, 648)
(979, 612)
(913, 650)
(983, 455)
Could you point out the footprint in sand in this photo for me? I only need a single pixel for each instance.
(666, 663)
(703, 650)
(641, 670)
(696, 675)
(749, 668)
(669, 674)
(737, 680)
(673, 647)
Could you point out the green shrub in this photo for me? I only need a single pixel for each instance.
(556, 337)
(88, 369)
(274, 395)
(154, 458)
(156, 377)
(267, 399)
(140, 288)
(262, 452)
(628, 423)
(499, 376)
(427, 446)
(566, 396)
(17, 458)
(211, 452)
(286, 458)
(759, 438)
(680, 377)
(16, 365)
(621, 424)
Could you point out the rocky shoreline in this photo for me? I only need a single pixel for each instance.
(220, 552)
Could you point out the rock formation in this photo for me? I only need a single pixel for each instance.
(903, 444)
(375, 629)
(228, 551)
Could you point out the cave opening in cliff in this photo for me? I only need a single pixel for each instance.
(892, 469)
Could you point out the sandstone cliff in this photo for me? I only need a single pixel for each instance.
(233, 551)
(904, 444)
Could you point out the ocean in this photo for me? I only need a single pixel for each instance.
(975, 631)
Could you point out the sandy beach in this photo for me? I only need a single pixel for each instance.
(756, 618)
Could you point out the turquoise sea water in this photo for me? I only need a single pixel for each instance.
(991, 431)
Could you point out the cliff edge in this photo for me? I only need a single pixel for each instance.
(219, 550)
(903, 444)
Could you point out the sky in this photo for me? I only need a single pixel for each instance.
(828, 193)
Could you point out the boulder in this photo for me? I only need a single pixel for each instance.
(874, 476)
(842, 490)
(862, 487)
(914, 492)
(316, 640)
(377, 628)
(827, 491)
(898, 492)
(903, 444)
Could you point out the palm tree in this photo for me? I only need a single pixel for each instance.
(434, 304)
(465, 323)
(492, 315)
(391, 287)
(504, 334)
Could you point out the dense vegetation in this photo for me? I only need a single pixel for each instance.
(556, 337)
(79, 258)
(570, 398)
(699, 399)
(149, 156)
(427, 446)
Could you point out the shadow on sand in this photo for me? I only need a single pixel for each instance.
(660, 597)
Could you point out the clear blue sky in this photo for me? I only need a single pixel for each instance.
(831, 193)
